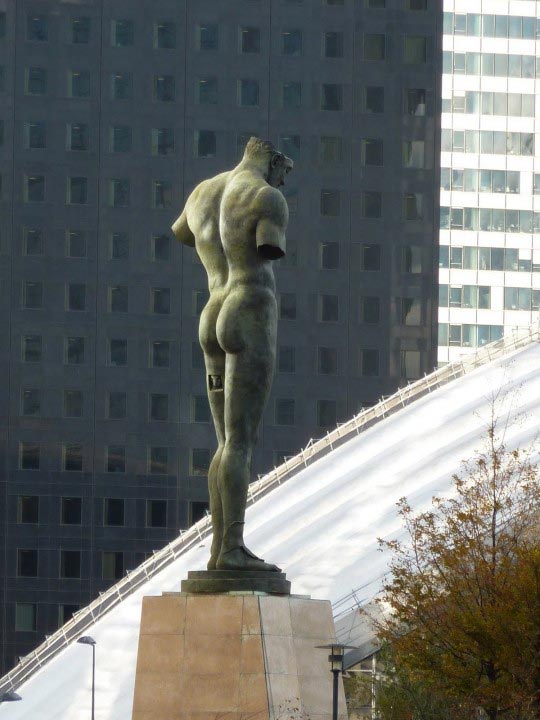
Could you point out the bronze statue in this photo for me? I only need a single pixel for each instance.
(236, 221)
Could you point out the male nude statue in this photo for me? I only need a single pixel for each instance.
(236, 221)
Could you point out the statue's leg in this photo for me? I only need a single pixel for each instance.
(215, 367)
(248, 377)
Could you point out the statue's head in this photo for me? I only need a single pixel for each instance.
(276, 164)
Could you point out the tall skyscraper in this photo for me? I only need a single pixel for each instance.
(490, 173)
(111, 112)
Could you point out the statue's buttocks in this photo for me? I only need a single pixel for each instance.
(237, 223)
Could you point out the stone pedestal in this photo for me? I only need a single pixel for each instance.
(236, 656)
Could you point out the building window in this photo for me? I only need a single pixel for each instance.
(25, 617)
(118, 351)
(207, 90)
(35, 135)
(411, 259)
(328, 308)
(284, 411)
(158, 461)
(374, 46)
(116, 405)
(287, 306)
(200, 461)
(371, 204)
(122, 33)
(65, 612)
(410, 311)
(34, 190)
(156, 513)
(329, 255)
(200, 298)
(164, 35)
(27, 563)
(413, 153)
(70, 564)
(32, 348)
(73, 458)
(370, 309)
(37, 27)
(197, 511)
(250, 40)
(331, 96)
(162, 141)
(77, 191)
(161, 247)
(161, 301)
(326, 413)
(113, 565)
(28, 509)
(33, 241)
(200, 410)
(197, 356)
(373, 99)
(415, 101)
(327, 361)
(73, 403)
(159, 407)
(31, 402)
(113, 512)
(161, 194)
(2, 24)
(415, 49)
(333, 44)
(375, 4)
(207, 37)
(292, 94)
(160, 353)
(77, 136)
(119, 192)
(292, 42)
(205, 143)
(330, 202)
(372, 151)
(32, 295)
(413, 206)
(71, 510)
(36, 81)
(121, 86)
(120, 138)
(119, 246)
(76, 297)
(330, 149)
(248, 93)
(78, 83)
(286, 359)
(409, 364)
(116, 459)
(164, 88)
(80, 30)
(118, 299)
(74, 350)
(75, 244)
(369, 363)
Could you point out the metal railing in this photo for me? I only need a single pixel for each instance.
(314, 450)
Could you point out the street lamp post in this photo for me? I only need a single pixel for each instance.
(336, 657)
(9, 696)
(87, 640)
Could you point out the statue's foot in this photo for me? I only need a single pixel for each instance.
(211, 564)
(240, 558)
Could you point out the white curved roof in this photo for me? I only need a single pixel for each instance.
(321, 525)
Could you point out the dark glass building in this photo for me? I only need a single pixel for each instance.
(110, 113)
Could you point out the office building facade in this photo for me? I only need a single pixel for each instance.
(490, 173)
(111, 113)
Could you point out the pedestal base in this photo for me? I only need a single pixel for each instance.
(224, 581)
(240, 657)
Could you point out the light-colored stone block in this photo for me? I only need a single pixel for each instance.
(233, 657)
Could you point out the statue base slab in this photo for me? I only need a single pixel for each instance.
(224, 581)
(240, 657)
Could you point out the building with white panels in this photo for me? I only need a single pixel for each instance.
(490, 172)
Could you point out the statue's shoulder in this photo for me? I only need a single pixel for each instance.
(208, 189)
(272, 204)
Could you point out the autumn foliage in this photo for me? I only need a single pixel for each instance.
(463, 598)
